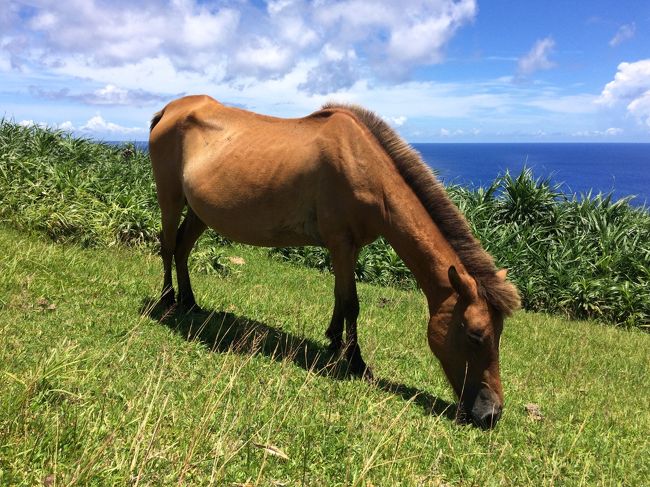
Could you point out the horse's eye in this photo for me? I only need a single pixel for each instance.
(475, 337)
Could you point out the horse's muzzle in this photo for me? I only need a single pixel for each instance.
(486, 410)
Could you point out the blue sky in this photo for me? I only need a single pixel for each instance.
(438, 70)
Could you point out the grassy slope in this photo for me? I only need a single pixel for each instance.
(92, 392)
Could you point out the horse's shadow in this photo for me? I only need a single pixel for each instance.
(222, 331)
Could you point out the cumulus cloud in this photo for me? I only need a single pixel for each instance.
(336, 70)
(5, 61)
(630, 87)
(397, 121)
(97, 124)
(66, 126)
(581, 103)
(445, 133)
(625, 32)
(610, 132)
(107, 95)
(390, 37)
(28, 123)
(537, 58)
(238, 39)
(112, 33)
(262, 57)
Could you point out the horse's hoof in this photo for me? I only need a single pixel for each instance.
(189, 306)
(195, 308)
(367, 374)
(364, 373)
(335, 347)
(167, 301)
(358, 368)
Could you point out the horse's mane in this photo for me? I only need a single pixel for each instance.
(451, 222)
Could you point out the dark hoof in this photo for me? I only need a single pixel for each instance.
(189, 305)
(367, 374)
(167, 301)
(357, 366)
(335, 346)
(362, 371)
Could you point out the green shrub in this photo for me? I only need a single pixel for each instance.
(585, 257)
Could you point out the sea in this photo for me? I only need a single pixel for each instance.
(622, 169)
(579, 168)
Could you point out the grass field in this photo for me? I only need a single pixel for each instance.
(95, 392)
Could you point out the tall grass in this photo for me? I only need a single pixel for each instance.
(244, 392)
(585, 257)
(75, 189)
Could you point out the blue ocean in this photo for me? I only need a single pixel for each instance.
(623, 169)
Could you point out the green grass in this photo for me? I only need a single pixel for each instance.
(581, 258)
(94, 393)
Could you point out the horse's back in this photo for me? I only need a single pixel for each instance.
(259, 179)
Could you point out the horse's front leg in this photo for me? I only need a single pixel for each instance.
(346, 308)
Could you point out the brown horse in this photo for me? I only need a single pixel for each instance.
(338, 178)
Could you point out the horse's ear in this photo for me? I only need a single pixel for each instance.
(458, 284)
(501, 274)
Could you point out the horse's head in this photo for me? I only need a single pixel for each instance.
(464, 334)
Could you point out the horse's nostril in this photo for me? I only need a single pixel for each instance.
(490, 419)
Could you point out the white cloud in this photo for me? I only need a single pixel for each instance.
(582, 103)
(97, 124)
(397, 121)
(5, 58)
(234, 40)
(293, 30)
(425, 103)
(262, 56)
(537, 58)
(274, 7)
(107, 95)
(631, 86)
(391, 37)
(43, 20)
(610, 132)
(67, 126)
(112, 94)
(625, 32)
(640, 108)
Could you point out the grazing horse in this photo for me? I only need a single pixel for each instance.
(338, 178)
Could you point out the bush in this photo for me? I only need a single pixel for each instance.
(585, 257)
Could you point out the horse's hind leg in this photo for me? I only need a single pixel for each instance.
(335, 331)
(171, 209)
(188, 234)
(346, 307)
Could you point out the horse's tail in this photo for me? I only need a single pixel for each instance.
(156, 118)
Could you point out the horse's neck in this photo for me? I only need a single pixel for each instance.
(418, 241)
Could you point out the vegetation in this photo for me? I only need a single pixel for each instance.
(585, 257)
(96, 392)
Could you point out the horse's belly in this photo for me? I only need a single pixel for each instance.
(254, 209)
(251, 224)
